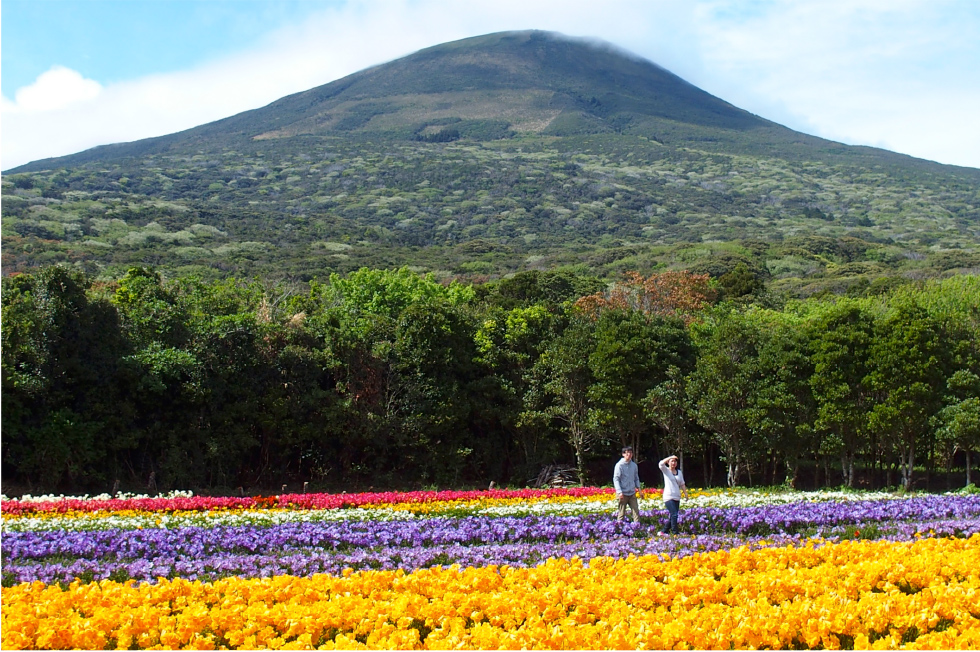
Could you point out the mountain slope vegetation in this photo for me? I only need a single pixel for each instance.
(492, 155)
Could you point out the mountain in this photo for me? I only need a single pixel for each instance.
(490, 155)
(524, 82)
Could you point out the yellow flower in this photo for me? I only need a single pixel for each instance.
(873, 593)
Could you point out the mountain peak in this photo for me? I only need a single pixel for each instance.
(480, 88)
(534, 81)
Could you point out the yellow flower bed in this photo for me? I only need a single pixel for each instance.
(437, 507)
(482, 503)
(923, 594)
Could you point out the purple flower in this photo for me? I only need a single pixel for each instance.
(330, 547)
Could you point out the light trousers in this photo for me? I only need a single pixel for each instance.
(628, 501)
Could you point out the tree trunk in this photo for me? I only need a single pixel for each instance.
(949, 470)
(968, 454)
(930, 464)
(732, 471)
(792, 472)
(907, 466)
(734, 461)
(711, 465)
(580, 461)
(704, 466)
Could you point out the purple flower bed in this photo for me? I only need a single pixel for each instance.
(310, 561)
(330, 547)
(802, 517)
(342, 535)
(807, 518)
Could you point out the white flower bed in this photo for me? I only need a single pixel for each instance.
(265, 517)
(122, 495)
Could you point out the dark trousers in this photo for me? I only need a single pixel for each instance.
(673, 507)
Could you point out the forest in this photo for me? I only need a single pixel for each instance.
(397, 379)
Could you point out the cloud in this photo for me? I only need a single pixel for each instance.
(901, 74)
(57, 88)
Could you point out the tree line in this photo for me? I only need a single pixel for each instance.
(388, 378)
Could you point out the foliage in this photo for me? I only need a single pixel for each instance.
(664, 294)
(392, 378)
(843, 334)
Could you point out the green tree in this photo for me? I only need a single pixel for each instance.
(149, 311)
(633, 353)
(401, 349)
(668, 407)
(387, 293)
(953, 301)
(534, 287)
(741, 283)
(909, 364)
(781, 409)
(959, 421)
(841, 335)
(509, 347)
(433, 357)
(560, 389)
(718, 388)
(64, 416)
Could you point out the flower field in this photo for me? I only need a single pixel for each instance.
(538, 569)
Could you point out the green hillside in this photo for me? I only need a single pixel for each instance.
(491, 155)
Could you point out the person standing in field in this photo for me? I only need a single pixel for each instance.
(626, 479)
(673, 486)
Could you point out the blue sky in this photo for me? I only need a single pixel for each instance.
(898, 74)
(115, 40)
